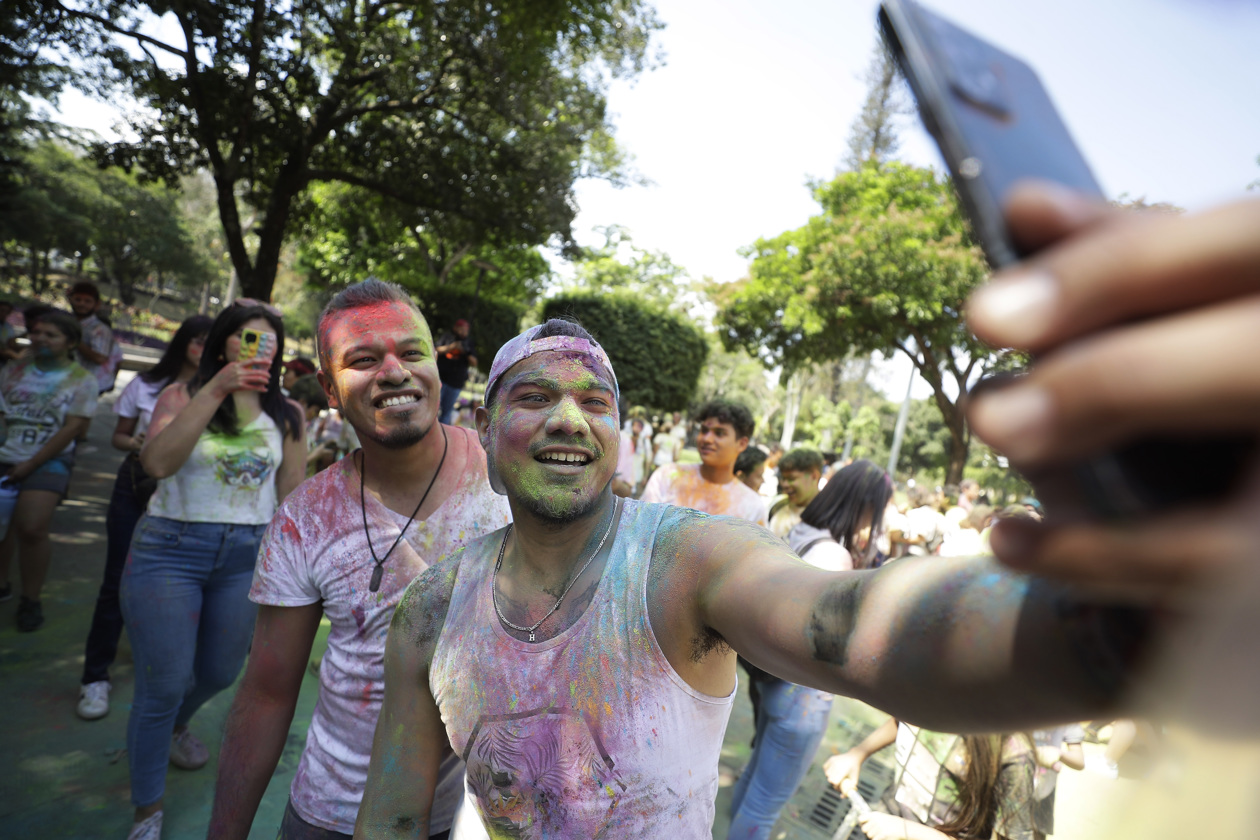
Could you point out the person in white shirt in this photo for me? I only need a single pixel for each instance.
(132, 489)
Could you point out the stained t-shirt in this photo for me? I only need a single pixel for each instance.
(588, 734)
(99, 337)
(315, 551)
(227, 478)
(36, 403)
(682, 485)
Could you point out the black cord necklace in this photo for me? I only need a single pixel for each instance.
(379, 571)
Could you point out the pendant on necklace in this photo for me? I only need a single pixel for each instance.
(531, 635)
(377, 574)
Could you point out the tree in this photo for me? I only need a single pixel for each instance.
(346, 235)
(873, 135)
(657, 354)
(480, 115)
(887, 266)
(619, 264)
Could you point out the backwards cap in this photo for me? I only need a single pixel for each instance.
(527, 344)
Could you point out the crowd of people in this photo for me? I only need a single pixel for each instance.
(535, 623)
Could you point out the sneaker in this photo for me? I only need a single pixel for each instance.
(94, 700)
(30, 615)
(187, 751)
(6, 592)
(147, 829)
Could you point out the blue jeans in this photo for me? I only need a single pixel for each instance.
(791, 720)
(185, 598)
(446, 403)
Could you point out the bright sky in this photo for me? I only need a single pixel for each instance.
(1161, 95)
(754, 98)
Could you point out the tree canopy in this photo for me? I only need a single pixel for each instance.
(480, 116)
(886, 267)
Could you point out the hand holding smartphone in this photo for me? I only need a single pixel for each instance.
(996, 126)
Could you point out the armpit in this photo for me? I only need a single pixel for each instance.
(831, 622)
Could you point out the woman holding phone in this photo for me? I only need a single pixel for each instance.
(226, 448)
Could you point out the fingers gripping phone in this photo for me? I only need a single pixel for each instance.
(995, 125)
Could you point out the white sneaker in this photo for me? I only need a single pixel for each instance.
(94, 700)
(148, 829)
(187, 751)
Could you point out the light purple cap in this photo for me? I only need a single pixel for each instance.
(526, 345)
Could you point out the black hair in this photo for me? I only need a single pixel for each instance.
(725, 411)
(284, 414)
(364, 293)
(63, 322)
(85, 287)
(308, 391)
(749, 459)
(553, 327)
(172, 361)
(840, 506)
(803, 459)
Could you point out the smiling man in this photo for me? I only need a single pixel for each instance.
(711, 486)
(582, 660)
(344, 546)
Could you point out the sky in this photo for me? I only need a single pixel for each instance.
(755, 98)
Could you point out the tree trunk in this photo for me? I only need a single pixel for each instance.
(792, 409)
(959, 438)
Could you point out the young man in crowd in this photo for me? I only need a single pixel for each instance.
(711, 486)
(582, 661)
(98, 350)
(345, 545)
(799, 473)
(455, 355)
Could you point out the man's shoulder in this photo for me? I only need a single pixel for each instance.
(321, 493)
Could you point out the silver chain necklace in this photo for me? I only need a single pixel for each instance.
(494, 578)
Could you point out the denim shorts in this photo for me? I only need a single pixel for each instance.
(53, 475)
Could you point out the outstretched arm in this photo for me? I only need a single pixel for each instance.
(410, 738)
(954, 644)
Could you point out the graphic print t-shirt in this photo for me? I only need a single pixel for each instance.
(682, 485)
(315, 551)
(227, 478)
(37, 402)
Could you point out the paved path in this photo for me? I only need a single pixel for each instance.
(63, 777)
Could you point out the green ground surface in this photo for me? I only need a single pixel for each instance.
(63, 777)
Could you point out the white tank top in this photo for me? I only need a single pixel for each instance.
(590, 734)
(227, 478)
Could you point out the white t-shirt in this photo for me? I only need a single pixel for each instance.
(665, 445)
(682, 485)
(137, 401)
(227, 478)
(35, 404)
(100, 338)
(925, 521)
(315, 551)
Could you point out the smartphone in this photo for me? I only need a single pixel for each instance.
(995, 125)
(257, 345)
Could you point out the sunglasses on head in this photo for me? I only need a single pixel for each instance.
(247, 301)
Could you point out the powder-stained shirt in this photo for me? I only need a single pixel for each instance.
(315, 551)
(682, 485)
(36, 403)
(227, 478)
(99, 337)
(588, 734)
